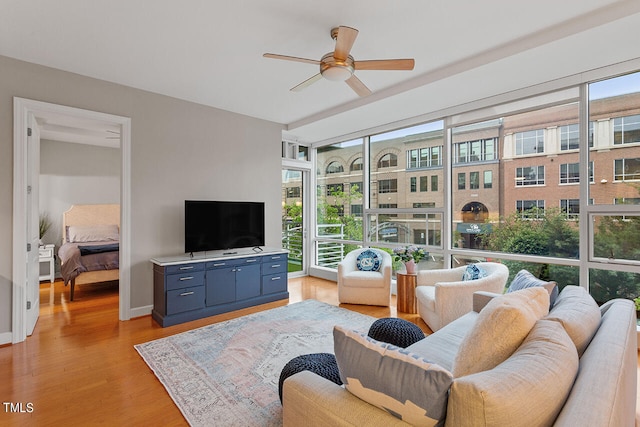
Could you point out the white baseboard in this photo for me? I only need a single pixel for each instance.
(6, 338)
(140, 311)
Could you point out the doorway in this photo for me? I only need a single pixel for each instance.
(295, 219)
(27, 115)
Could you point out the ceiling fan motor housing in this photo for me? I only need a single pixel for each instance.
(336, 69)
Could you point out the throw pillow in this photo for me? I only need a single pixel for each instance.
(393, 379)
(500, 328)
(368, 260)
(528, 389)
(473, 272)
(525, 279)
(578, 313)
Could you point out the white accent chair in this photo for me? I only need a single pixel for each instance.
(442, 296)
(364, 287)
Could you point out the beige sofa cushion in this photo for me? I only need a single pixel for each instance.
(578, 313)
(499, 330)
(526, 390)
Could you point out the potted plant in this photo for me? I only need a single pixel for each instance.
(410, 256)
(44, 225)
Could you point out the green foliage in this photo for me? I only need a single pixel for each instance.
(44, 224)
(333, 213)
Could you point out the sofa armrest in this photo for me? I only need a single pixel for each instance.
(311, 400)
(481, 299)
(431, 277)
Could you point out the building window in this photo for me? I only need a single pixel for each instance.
(569, 173)
(355, 187)
(626, 130)
(423, 183)
(434, 183)
(475, 151)
(388, 186)
(334, 167)
(293, 192)
(474, 180)
(571, 207)
(530, 142)
(462, 181)
(488, 179)
(530, 176)
(570, 137)
(627, 169)
(413, 184)
(424, 157)
(356, 165)
(530, 207)
(388, 160)
(626, 201)
(333, 189)
(356, 210)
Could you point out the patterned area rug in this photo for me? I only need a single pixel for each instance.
(226, 374)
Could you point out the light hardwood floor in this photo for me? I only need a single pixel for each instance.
(79, 367)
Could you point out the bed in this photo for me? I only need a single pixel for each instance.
(90, 245)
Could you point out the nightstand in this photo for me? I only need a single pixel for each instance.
(46, 255)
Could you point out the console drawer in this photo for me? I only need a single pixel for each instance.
(184, 268)
(273, 283)
(273, 267)
(185, 299)
(183, 280)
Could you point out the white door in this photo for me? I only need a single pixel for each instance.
(32, 222)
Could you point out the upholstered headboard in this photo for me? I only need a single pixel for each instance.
(86, 215)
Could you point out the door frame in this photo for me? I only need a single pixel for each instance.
(21, 108)
(305, 169)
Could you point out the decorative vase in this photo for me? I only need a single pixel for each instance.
(410, 266)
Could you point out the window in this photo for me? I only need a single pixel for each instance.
(356, 210)
(569, 173)
(423, 183)
(626, 201)
(626, 169)
(474, 180)
(334, 167)
(434, 183)
(626, 130)
(333, 189)
(462, 181)
(571, 207)
(530, 142)
(356, 165)
(530, 176)
(293, 192)
(569, 137)
(388, 160)
(388, 186)
(488, 179)
(413, 184)
(424, 157)
(530, 208)
(475, 151)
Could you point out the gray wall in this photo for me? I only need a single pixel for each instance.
(180, 150)
(73, 174)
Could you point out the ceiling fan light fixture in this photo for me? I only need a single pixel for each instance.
(334, 69)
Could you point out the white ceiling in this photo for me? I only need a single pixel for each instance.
(210, 52)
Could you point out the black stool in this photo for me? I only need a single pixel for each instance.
(323, 364)
(398, 332)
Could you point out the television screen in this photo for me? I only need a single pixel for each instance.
(214, 225)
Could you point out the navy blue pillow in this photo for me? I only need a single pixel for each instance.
(524, 280)
(473, 272)
(368, 260)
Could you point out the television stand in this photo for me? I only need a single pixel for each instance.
(187, 288)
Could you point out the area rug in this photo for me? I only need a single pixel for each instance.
(226, 374)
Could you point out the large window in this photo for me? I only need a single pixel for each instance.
(475, 151)
(626, 130)
(570, 137)
(532, 175)
(424, 157)
(627, 169)
(529, 142)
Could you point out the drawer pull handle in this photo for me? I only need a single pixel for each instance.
(251, 260)
(186, 278)
(275, 266)
(275, 257)
(220, 264)
(186, 268)
(275, 278)
(186, 294)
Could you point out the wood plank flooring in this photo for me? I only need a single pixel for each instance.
(79, 368)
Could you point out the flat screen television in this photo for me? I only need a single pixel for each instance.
(222, 225)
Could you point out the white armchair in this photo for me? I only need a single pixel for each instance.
(442, 296)
(364, 287)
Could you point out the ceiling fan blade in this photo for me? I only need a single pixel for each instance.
(357, 86)
(344, 42)
(308, 82)
(385, 64)
(291, 58)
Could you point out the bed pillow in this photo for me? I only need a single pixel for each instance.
(93, 233)
(368, 260)
(500, 328)
(525, 279)
(402, 383)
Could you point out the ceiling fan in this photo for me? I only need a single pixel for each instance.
(339, 65)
